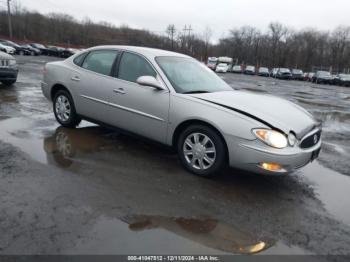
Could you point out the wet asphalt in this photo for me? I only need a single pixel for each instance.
(91, 190)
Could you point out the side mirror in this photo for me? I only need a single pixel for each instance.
(150, 81)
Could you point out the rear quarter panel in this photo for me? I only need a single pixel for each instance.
(56, 73)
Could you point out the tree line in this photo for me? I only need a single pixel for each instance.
(277, 46)
(280, 46)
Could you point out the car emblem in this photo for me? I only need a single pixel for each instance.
(315, 139)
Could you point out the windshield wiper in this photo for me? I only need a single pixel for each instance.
(196, 92)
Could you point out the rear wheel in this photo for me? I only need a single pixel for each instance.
(8, 82)
(64, 109)
(202, 151)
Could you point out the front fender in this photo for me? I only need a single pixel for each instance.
(229, 123)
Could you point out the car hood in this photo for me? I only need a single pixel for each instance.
(269, 110)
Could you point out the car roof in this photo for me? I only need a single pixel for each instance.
(146, 51)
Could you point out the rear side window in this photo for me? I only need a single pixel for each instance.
(100, 61)
(133, 66)
(79, 59)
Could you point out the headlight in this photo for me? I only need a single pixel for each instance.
(271, 137)
(12, 62)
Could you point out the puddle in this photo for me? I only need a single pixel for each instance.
(94, 148)
(167, 235)
(332, 189)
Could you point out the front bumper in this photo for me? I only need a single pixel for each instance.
(8, 73)
(250, 154)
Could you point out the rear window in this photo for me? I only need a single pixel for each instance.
(100, 61)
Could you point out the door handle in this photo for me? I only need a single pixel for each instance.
(119, 91)
(75, 78)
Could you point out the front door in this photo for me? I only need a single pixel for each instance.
(139, 109)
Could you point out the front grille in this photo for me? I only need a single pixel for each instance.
(4, 63)
(311, 140)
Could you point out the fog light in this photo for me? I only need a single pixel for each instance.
(272, 167)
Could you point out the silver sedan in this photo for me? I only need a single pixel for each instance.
(175, 100)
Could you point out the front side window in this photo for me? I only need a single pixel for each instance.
(133, 66)
(100, 61)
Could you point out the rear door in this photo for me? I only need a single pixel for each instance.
(94, 84)
(140, 109)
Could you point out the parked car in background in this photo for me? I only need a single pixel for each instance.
(342, 80)
(273, 72)
(68, 52)
(322, 77)
(210, 124)
(297, 74)
(237, 69)
(19, 50)
(284, 73)
(41, 47)
(308, 76)
(226, 60)
(212, 62)
(249, 70)
(8, 69)
(263, 71)
(7, 49)
(32, 51)
(221, 68)
(55, 51)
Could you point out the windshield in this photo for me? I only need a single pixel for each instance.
(187, 75)
(263, 69)
(323, 73)
(284, 70)
(211, 62)
(344, 76)
(297, 71)
(39, 46)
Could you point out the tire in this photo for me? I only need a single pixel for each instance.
(21, 52)
(32, 53)
(8, 82)
(215, 146)
(64, 109)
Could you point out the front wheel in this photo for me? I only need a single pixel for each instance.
(64, 109)
(202, 151)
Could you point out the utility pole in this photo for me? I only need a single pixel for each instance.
(9, 17)
(187, 33)
(171, 32)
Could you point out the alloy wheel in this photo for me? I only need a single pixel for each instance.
(63, 108)
(199, 151)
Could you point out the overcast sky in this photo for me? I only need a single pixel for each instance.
(220, 16)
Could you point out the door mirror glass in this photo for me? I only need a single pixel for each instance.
(149, 81)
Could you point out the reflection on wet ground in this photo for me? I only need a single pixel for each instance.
(128, 165)
(169, 235)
